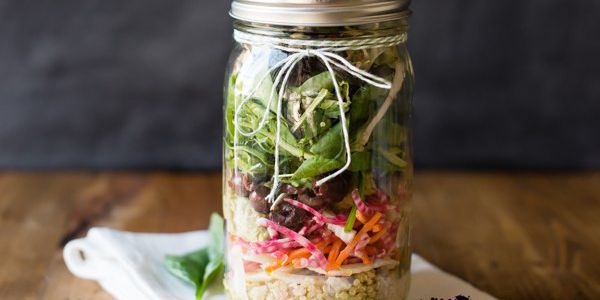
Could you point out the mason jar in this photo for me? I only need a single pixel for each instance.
(317, 163)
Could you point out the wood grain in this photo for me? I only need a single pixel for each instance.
(515, 235)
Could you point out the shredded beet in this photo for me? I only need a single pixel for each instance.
(360, 205)
(319, 217)
(314, 228)
(312, 248)
(273, 245)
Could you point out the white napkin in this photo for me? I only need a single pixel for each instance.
(130, 266)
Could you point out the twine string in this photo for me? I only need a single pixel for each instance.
(325, 52)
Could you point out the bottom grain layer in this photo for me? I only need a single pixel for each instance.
(382, 284)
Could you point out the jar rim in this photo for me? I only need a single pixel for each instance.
(319, 12)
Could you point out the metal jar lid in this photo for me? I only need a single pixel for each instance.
(319, 12)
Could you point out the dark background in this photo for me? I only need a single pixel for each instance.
(138, 83)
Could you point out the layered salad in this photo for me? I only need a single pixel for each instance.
(300, 236)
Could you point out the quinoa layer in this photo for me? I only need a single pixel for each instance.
(380, 284)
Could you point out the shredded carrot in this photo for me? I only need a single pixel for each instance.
(326, 246)
(321, 245)
(271, 268)
(377, 228)
(365, 259)
(348, 250)
(298, 253)
(305, 253)
(361, 217)
(377, 236)
(335, 250)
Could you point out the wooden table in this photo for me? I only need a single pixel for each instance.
(515, 235)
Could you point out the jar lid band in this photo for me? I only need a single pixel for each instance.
(319, 12)
(330, 45)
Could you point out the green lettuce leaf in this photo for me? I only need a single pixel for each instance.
(313, 85)
(331, 145)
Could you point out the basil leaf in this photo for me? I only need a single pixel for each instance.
(203, 266)
(189, 267)
(217, 234)
(213, 270)
(215, 266)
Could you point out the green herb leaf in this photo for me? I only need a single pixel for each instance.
(391, 155)
(331, 145)
(330, 106)
(287, 141)
(362, 101)
(313, 85)
(360, 161)
(252, 115)
(251, 78)
(316, 166)
(203, 266)
(230, 108)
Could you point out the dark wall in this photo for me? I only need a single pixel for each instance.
(137, 83)
(507, 83)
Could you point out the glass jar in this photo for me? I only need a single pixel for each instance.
(317, 160)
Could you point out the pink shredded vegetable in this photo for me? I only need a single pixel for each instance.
(319, 217)
(312, 248)
(273, 234)
(314, 231)
(314, 228)
(360, 205)
(362, 243)
(272, 245)
(303, 230)
(388, 240)
(380, 207)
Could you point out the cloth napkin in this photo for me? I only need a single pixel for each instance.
(130, 266)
